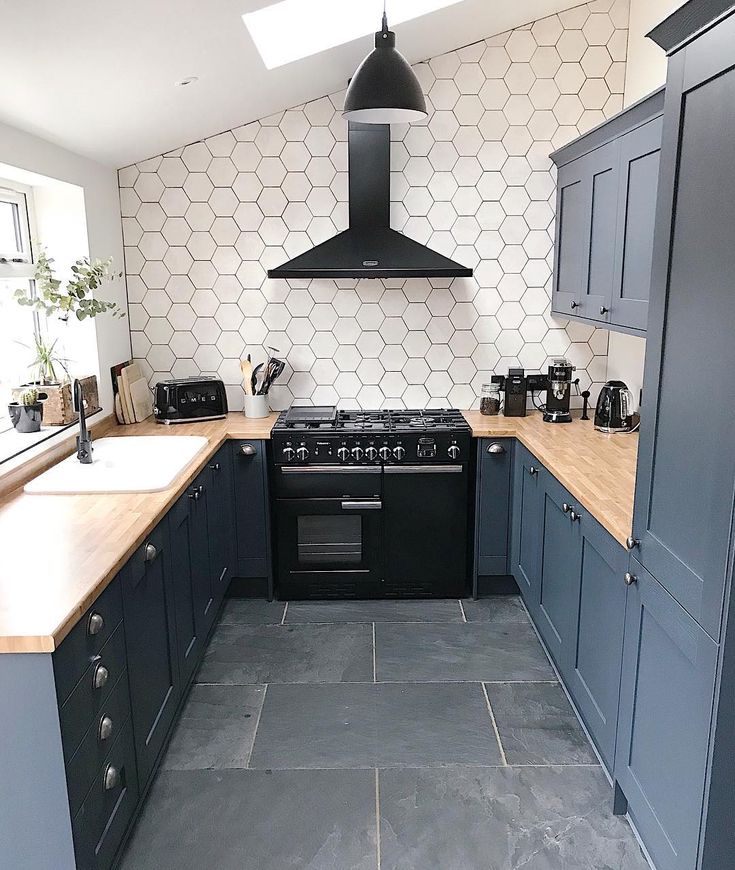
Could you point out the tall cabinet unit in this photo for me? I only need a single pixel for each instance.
(679, 655)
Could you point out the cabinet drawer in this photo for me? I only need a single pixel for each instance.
(104, 816)
(88, 700)
(86, 639)
(87, 761)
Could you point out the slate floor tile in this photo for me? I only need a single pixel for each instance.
(372, 725)
(252, 610)
(242, 654)
(495, 608)
(537, 725)
(472, 651)
(257, 820)
(552, 818)
(216, 728)
(374, 611)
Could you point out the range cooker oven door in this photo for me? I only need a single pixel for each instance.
(330, 542)
(426, 530)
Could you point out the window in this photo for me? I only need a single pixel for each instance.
(18, 325)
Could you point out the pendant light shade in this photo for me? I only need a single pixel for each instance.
(384, 89)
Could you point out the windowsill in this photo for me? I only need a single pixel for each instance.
(13, 443)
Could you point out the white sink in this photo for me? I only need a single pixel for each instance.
(126, 464)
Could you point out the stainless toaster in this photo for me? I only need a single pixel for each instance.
(186, 400)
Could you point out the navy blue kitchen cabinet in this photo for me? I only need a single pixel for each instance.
(668, 681)
(605, 216)
(526, 526)
(561, 552)
(492, 510)
(599, 618)
(220, 520)
(150, 639)
(201, 572)
(252, 522)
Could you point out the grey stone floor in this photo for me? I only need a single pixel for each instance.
(414, 735)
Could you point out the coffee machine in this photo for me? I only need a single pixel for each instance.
(559, 391)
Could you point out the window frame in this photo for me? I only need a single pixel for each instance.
(22, 263)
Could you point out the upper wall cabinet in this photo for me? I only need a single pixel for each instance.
(605, 214)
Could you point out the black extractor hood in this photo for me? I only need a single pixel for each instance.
(370, 248)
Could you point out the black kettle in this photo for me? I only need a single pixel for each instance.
(615, 408)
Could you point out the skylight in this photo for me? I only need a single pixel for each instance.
(294, 29)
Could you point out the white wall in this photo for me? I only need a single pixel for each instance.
(645, 71)
(102, 208)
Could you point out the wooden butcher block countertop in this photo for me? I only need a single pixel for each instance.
(61, 551)
(597, 469)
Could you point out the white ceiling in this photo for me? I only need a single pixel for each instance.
(98, 77)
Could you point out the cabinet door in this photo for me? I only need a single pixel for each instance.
(665, 710)
(572, 222)
(220, 521)
(201, 571)
(594, 680)
(526, 532)
(251, 509)
(559, 581)
(600, 168)
(150, 638)
(495, 462)
(686, 460)
(189, 639)
(640, 151)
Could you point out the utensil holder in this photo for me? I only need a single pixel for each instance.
(256, 406)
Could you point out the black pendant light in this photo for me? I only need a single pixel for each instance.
(384, 89)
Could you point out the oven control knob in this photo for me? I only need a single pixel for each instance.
(343, 454)
(384, 453)
(302, 453)
(399, 452)
(371, 453)
(288, 453)
(357, 453)
(453, 451)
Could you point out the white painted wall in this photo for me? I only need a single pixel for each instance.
(645, 71)
(103, 228)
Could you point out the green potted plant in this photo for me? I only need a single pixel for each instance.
(26, 414)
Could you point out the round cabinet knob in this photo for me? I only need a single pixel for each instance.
(453, 451)
(384, 453)
(496, 449)
(566, 507)
(399, 452)
(371, 453)
(302, 453)
(574, 516)
(194, 496)
(111, 778)
(574, 305)
(603, 310)
(150, 553)
(248, 450)
(532, 470)
(630, 579)
(100, 676)
(96, 624)
(343, 454)
(105, 729)
(631, 543)
(288, 453)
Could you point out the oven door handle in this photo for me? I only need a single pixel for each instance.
(362, 505)
(330, 469)
(424, 469)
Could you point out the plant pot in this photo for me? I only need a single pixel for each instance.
(26, 418)
(58, 402)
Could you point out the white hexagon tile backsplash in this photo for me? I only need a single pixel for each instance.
(202, 224)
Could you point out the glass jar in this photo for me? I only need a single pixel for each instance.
(490, 400)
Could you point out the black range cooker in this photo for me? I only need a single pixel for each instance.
(370, 504)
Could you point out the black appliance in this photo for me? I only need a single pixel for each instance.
(514, 404)
(369, 248)
(184, 400)
(559, 391)
(615, 408)
(371, 504)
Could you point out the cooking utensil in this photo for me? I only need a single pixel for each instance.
(273, 371)
(256, 372)
(246, 368)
